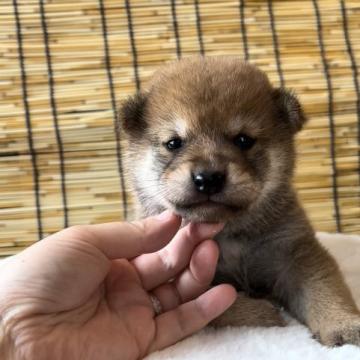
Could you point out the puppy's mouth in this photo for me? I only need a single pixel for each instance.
(207, 204)
(206, 210)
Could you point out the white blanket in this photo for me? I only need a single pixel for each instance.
(293, 342)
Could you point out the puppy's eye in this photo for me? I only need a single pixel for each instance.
(244, 142)
(174, 144)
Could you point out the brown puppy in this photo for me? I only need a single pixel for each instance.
(212, 140)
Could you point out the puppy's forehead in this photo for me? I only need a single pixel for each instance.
(181, 125)
(199, 93)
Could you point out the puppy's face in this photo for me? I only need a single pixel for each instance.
(210, 138)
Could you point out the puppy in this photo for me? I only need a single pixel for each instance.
(212, 140)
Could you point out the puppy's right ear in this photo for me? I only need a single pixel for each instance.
(132, 114)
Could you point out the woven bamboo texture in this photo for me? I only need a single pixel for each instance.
(64, 65)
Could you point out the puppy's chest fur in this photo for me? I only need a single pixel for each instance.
(252, 265)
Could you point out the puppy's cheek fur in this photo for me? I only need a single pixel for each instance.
(177, 181)
(242, 187)
(278, 169)
(146, 182)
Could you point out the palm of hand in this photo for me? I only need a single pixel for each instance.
(119, 315)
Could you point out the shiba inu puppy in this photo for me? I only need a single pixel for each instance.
(212, 140)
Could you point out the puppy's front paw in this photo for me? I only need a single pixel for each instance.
(250, 312)
(338, 333)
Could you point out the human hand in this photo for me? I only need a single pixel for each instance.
(84, 293)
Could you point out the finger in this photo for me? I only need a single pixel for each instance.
(196, 279)
(129, 239)
(190, 317)
(157, 268)
(193, 281)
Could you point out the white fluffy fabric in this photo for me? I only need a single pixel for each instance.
(292, 342)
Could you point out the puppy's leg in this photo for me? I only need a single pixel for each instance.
(314, 291)
(250, 312)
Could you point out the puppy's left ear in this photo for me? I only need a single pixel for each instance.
(132, 114)
(289, 109)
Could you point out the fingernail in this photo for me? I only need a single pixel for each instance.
(208, 230)
(165, 216)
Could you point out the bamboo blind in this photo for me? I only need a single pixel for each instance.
(64, 65)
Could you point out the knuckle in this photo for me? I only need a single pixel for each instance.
(192, 232)
(140, 229)
(182, 324)
(78, 232)
(201, 312)
(177, 295)
(166, 260)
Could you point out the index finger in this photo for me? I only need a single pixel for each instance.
(129, 239)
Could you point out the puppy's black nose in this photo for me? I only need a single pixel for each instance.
(209, 182)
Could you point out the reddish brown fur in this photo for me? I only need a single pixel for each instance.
(268, 247)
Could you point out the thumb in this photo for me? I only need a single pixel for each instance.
(129, 239)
